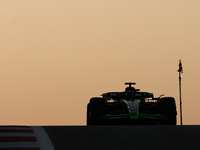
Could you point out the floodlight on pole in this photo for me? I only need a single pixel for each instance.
(180, 70)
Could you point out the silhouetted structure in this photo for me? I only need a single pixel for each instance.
(131, 107)
(180, 70)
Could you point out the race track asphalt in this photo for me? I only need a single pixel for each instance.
(124, 137)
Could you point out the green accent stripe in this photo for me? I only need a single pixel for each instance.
(137, 116)
(153, 116)
(109, 116)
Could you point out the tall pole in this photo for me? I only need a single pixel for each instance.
(180, 71)
(180, 97)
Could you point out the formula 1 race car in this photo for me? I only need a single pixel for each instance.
(131, 107)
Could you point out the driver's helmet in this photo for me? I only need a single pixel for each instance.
(130, 89)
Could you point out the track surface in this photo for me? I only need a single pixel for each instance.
(124, 137)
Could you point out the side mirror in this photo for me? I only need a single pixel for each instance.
(161, 96)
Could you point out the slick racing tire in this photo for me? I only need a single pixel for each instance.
(89, 117)
(168, 108)
(95, 108)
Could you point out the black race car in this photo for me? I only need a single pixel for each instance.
(131, 107)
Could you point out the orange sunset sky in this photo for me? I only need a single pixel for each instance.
(56, 55)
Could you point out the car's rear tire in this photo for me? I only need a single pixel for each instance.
(168, 108)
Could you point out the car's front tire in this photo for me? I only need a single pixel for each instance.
(95, 108)
(168, 108)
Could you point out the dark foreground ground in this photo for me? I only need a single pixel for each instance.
(124, 137)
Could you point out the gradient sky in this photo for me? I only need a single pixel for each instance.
(56, 55)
